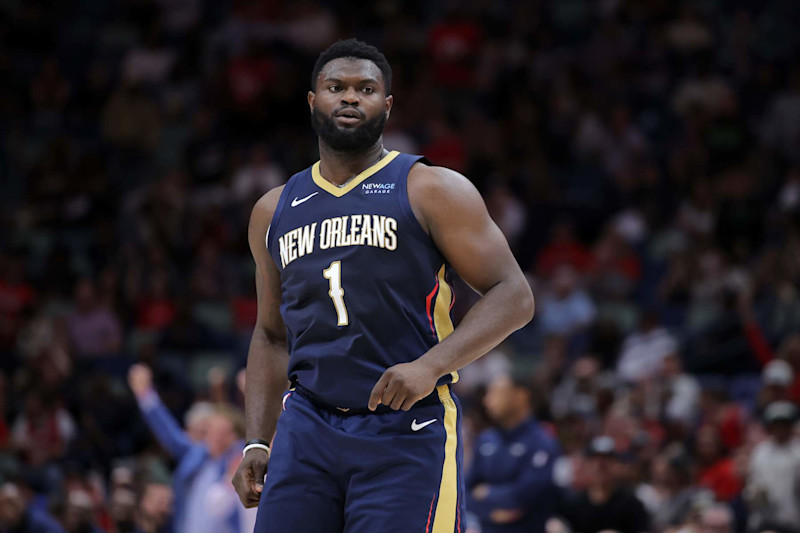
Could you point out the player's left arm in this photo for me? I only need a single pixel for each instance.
(452, 211)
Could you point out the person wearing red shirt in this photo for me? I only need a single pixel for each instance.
(717, 470)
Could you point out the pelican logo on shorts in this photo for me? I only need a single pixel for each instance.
(377, 188)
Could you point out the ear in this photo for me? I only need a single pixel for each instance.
(311, 97)
(388, 102)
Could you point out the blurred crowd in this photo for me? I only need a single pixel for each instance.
(641, 156)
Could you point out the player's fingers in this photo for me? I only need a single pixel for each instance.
(252, 502)
(392, 389)
(377, 392)
(408, 404)
(257, 481)
(398, 400)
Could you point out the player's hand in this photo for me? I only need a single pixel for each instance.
(403, 385)
(249, 477)
(140, 379)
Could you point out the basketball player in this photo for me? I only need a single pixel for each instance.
(351, 262)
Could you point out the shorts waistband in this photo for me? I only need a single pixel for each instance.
(431, 399)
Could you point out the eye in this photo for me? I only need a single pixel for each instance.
(369, 90)
(334, 88)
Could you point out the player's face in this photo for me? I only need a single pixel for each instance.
(349, 108)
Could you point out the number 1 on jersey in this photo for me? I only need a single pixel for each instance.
(334, 275)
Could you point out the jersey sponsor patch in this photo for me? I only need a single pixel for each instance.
(377, 188)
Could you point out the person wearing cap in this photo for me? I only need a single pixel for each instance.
(510, 483)
(777, 379)
(773, 490)
(605, 504)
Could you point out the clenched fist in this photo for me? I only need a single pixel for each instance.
(249, 477)
(140, 379)
(403, 385)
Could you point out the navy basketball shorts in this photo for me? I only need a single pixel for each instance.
(395, 472)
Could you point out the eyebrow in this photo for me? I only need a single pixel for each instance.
(363, 81)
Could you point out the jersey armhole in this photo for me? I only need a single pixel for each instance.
(405, 201)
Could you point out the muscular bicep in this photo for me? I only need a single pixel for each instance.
(268, 283)
(458, 222)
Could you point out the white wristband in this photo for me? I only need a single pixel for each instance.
(252, 446)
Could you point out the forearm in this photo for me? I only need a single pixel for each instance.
(265, 384)
(503, 309)
(163, 424)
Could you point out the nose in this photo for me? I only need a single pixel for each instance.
(350, 97)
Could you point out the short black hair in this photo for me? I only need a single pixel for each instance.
(355, 49)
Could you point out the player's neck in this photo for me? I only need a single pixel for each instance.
(340, 167)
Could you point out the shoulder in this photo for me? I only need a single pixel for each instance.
(425, 179)
(441, 195)
(265, 207)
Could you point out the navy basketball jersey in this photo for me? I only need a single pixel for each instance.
(362, 285)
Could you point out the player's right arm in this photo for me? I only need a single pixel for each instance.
(267, 359)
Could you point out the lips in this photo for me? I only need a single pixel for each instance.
(348, 116)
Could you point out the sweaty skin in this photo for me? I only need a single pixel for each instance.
(449, 209)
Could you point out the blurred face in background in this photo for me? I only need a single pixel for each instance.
(565, 280)
(220, 434)
(197, 421)
(781, 430)
(78, 512)
(708, 446)
(12, 505)
(505, 402)
(85, 296)
(122, 507)
(156, 503)
(602, 470)
(716, 520)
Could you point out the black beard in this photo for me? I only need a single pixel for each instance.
(356, 139)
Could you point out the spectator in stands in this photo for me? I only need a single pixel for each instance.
(605, 504)
(510, 482)
(717, 519)
(717, 470)
(578, 390)
(122, 509)
(155, 509)
(773, 488)
(200, 464)
(643, 351)
(18, 517)
(260, 174)
(16, 296)
(566, 309)
(777, 379)
(94, 329)
(679, 392)
(75, 511)
(563, 248)
(43, 431)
